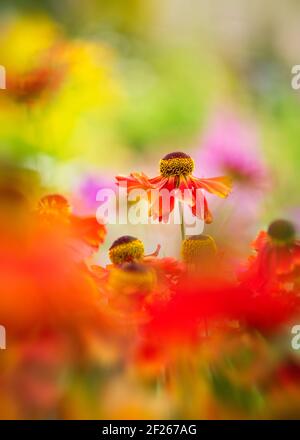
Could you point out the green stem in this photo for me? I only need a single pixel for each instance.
(182, 227)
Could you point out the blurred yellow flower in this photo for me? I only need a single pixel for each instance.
(61, 93)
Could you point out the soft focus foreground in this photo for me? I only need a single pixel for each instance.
(145, 321)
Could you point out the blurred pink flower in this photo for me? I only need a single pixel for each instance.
(84, 197)
(230, 146)
(293, 215)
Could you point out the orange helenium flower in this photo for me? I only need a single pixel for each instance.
(279, 246)
(45, 280)
(176, 174)
(277, 258)
(33, 84)
(54, 209)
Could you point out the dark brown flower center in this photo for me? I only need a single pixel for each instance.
(176, 155)
(176, 164)
(126, 249)
(122, 240)
(282, 231)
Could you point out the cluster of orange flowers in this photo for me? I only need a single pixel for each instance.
(144, 336)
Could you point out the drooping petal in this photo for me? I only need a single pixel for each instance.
(187, 190)
(158, 181)
(135, 181)
(203, 214)
(89, 230)
(208, 218)
(162, 200)
(220, 186)
(285, 261)
(170, 184)
(260, 241)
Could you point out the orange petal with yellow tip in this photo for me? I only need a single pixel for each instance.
(89, 230)
(206, 215)
(135, 181)
(220, 186)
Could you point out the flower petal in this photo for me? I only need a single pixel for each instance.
(260, 241)
(89, 230)
(187, 190)
(220, 186)
(135, 181)
(206, 215)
